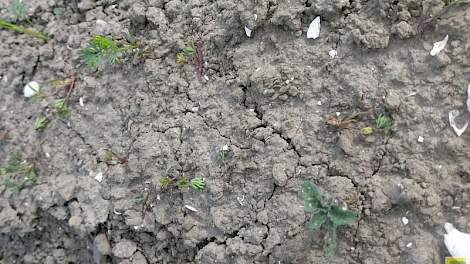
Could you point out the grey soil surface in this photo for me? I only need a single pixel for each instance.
(271, 99)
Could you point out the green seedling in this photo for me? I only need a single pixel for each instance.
(329, 214)
(20, 29)
(189, 51)
(19, 10)
(18, 173)
(367, 131)
(62, 108)
(192, 53)
(198, 183)
(165, 182)
(224, 155)
(112, 158)
(102, 49)
(41, 122)
(383, 122)
(182, 182)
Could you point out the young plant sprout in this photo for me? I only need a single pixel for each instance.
(19, 10)
(102, 49)
(61, 107)
(18, 174)
(367, 131)
(330, 214)
(198, 183)
(192, 53)
(182, 182)
(41, 122)
(165, 182)
(383, 122)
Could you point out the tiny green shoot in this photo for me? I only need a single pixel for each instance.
(62, 108)
(198, 183)
(41, 122)
(182, 182)
(367, 131)
(383, 122)
(19, 10)
(18, 173)
(102, 49)
(190, 50)
(330, 214)
(165, 182)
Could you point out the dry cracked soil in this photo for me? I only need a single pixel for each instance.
(284, 108)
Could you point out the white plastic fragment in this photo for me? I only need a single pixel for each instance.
(457, 243)
(468, 98)
(404, 220)
(313, 31)
(99, 177)
(31, 89)
(80, 101)
(409, 245)
(116, 212)
(189, 207)
(333, 53)
(420, 139)
(248, 31)
(438, 46)
(452, 115)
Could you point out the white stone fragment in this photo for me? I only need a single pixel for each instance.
(313, 31)
(99, 177)
(189, 207)
(80, 101)
(420, 139)
(409, 245)
(31, 89)
(404, 220)
(333, 53)
(248, 31)
(452, 115)
(438, 46)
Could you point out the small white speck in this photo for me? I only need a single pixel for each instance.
(404, 220)
(158, 197)
(256, 17)
(333, 53)
(287, 81)
(440, 167)
(401, 186)
(409, 245)
(80, 101)
(420, 139)
(195, 109)
(319, 103)
(225, 147)
(189, 207)
(48, 155)
(248, 31)
(338, 113)
(353, 248)
(99, 177)
(206, 77)
(240, 200)
(116, 212)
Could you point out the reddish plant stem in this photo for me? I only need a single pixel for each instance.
(200, 59)
(71, 87)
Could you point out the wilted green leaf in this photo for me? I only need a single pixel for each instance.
(312, 197)
(317, 220)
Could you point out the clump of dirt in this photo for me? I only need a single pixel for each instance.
(268, 99)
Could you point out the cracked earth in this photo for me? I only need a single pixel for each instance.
(270, 99)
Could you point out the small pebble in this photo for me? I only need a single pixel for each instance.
(404, 220)
(420, 139)
(333, 53)
(409, 245)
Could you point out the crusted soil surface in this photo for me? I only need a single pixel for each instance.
(275, 99)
